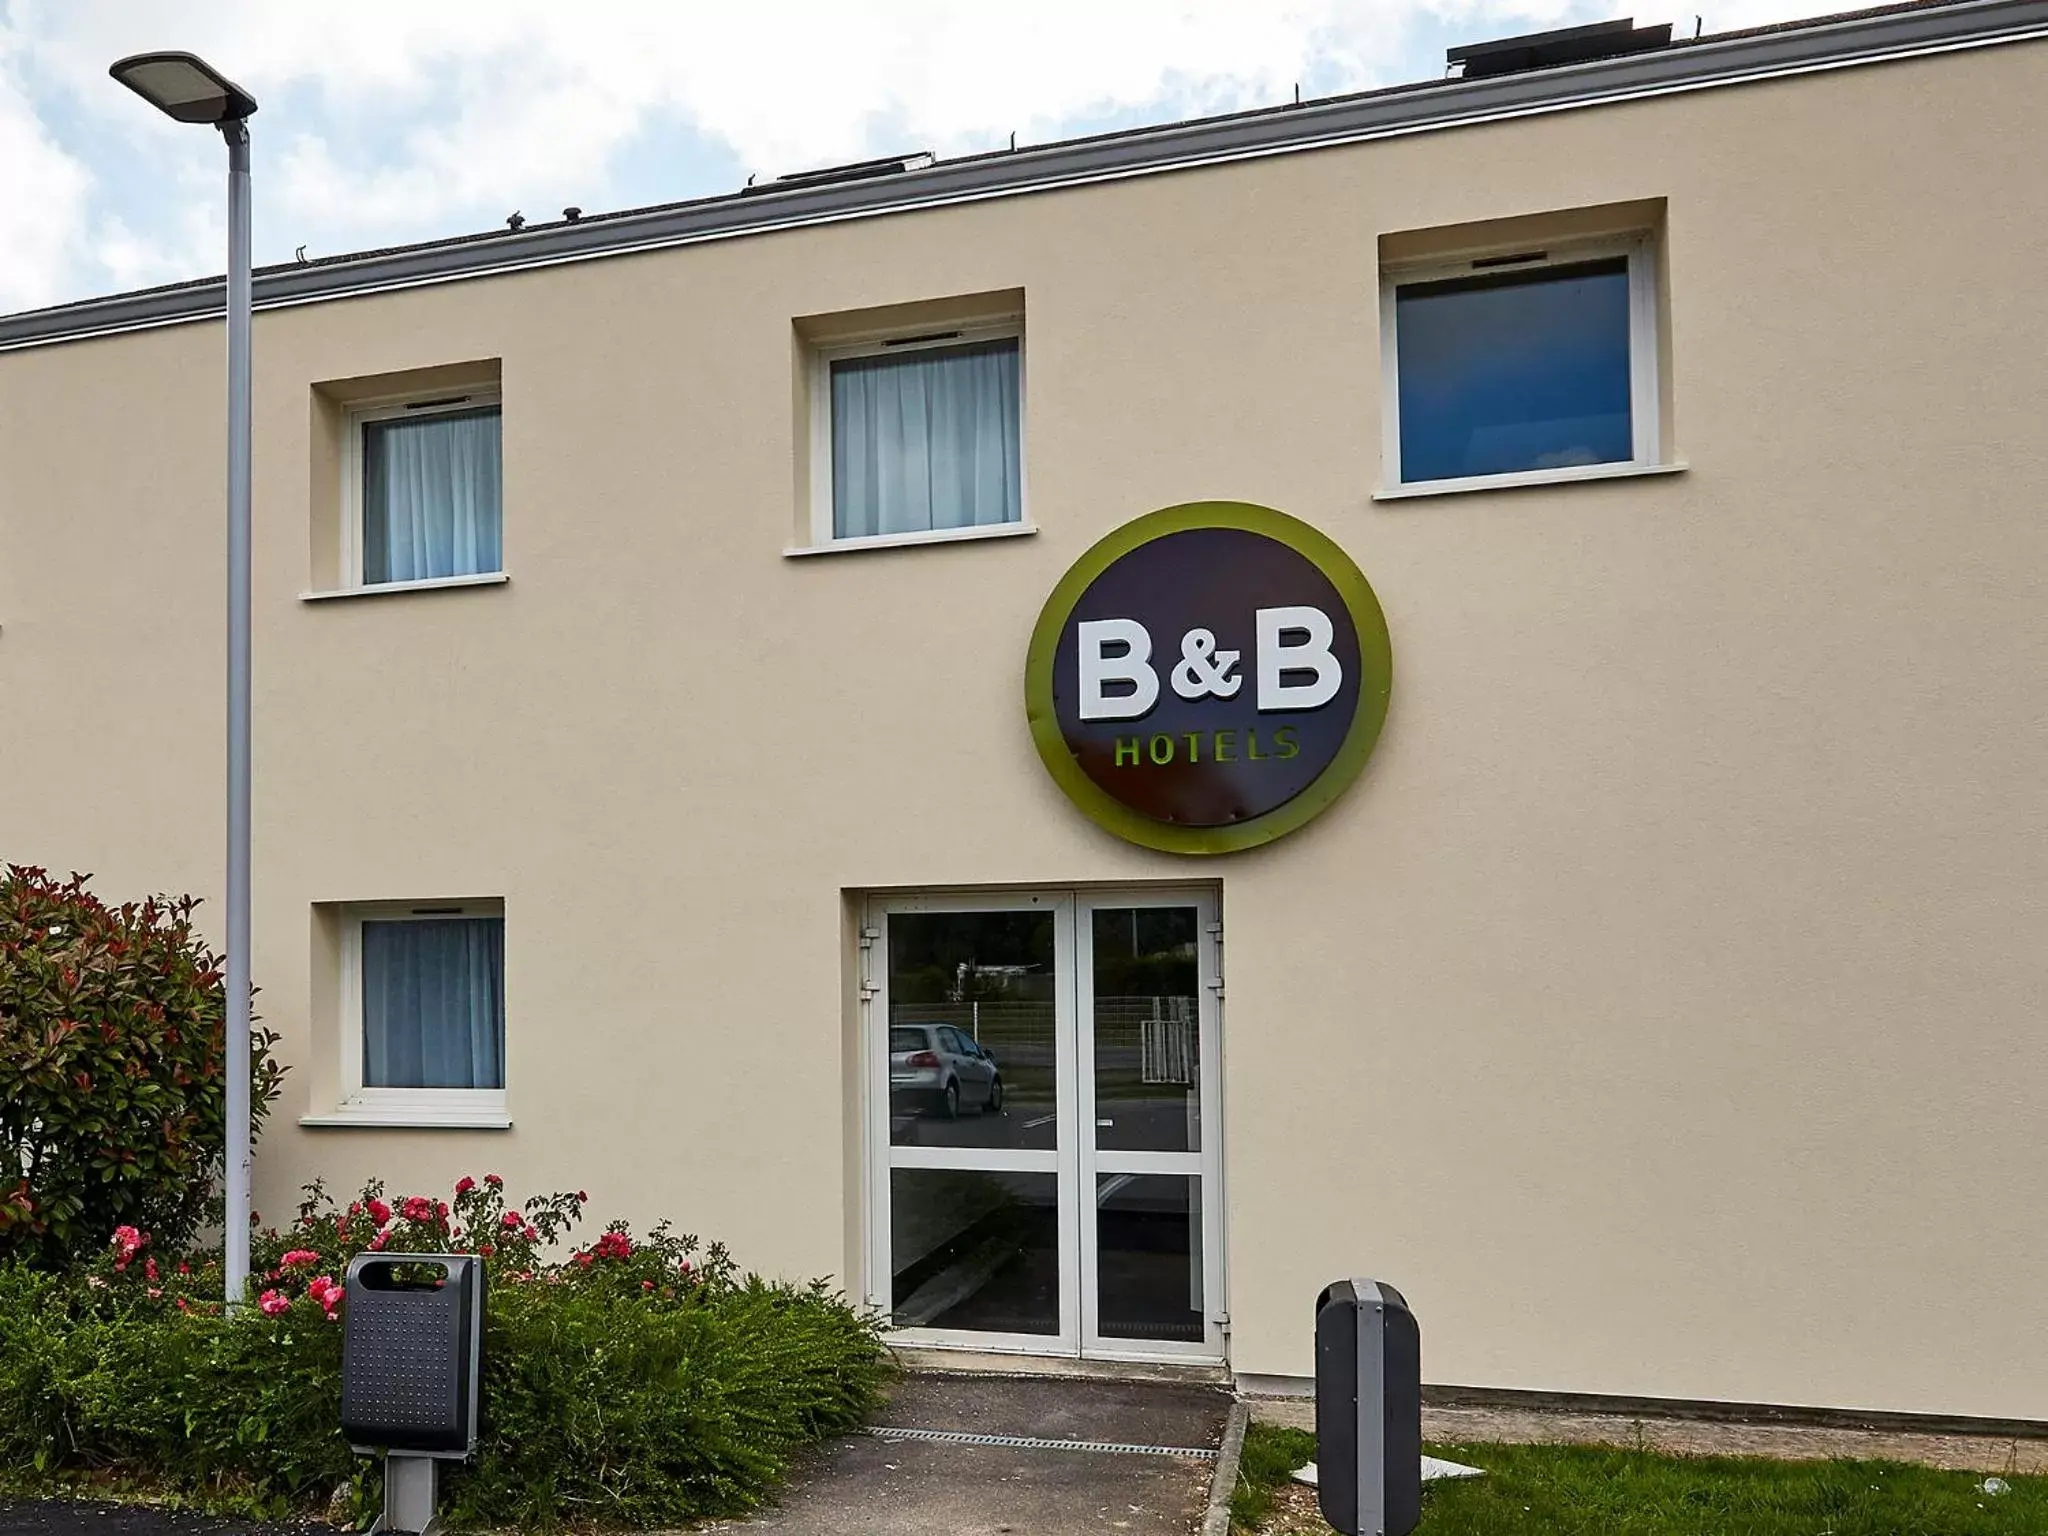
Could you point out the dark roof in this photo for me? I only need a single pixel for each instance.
(1868, 35)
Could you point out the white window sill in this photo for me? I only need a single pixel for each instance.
(1566, 476)
(905, 540)
(431, 584)
(479, 1119)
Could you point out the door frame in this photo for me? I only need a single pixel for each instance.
(1074, 1160)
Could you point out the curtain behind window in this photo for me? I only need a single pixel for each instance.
(926, 440)
(434, 1003)
(431, 496)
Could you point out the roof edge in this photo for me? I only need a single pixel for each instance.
(1685, 66)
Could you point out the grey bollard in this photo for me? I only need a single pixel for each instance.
(1368, 1409)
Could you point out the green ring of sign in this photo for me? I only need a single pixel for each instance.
(1375, 684)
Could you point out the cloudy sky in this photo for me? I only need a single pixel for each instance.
(387, 121)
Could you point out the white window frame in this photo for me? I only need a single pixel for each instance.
(1645, 377)
(411, 406)
(913, 338)
(477, 1108)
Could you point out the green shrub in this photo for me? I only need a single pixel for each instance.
(112, 1086)
(633, 1381)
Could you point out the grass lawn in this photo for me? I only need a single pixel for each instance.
(1561, 1489)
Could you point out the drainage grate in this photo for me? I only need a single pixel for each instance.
(1028, 1443)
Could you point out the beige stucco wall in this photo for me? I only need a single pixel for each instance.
(1663, 1009)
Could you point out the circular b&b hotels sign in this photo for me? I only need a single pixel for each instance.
(1208, 677)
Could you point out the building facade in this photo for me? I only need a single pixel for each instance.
(646, 798)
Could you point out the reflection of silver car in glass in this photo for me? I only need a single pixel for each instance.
(937, 1068)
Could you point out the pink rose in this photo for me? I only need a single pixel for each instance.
(513, 1219)
(494, 1181)
(464, 1185)
(380, 1213)
(300, 1256)
(270, 1304)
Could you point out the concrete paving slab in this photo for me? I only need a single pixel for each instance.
(876, 1486)
(872, 1487)
(1700, 1437)
(1052, 1408)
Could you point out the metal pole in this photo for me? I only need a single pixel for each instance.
(411, 1486)
(1371, 1462)
(236, 1244)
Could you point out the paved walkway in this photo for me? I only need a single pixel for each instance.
(1696, 1437)
(957, 1470)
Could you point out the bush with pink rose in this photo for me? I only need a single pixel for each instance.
(113, 1085)
(629, 1380)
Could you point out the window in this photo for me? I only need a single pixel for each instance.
(423, 1015)
(1532, 365)
(919, 437)
(425, 500)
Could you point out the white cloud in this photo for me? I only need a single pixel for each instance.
(406, 119)
(43, 193)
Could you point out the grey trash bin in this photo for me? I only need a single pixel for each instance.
(411, 1371)
(1368, 1409)
(412, 1352)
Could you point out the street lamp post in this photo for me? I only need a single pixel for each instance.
(185, 87)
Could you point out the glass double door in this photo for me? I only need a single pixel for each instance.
(1044, 1153)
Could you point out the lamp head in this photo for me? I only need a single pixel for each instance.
(185, 87)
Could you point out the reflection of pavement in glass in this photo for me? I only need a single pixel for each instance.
(1018, 1125)
(1149, 1124)
(1144, 1125)
(1001, 1276)
(1144, 1277)
(1020, 1297)
(1148, 1264)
